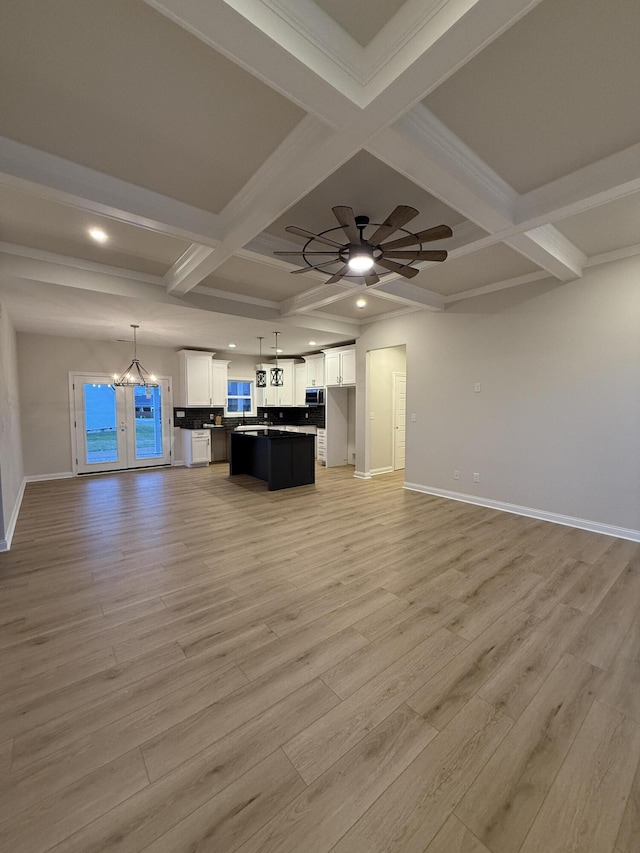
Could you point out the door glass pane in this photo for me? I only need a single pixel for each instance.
(148, 414)
(100, 425)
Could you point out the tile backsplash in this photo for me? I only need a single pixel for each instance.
(291, 415)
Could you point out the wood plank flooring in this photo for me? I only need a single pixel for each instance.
(189, 662)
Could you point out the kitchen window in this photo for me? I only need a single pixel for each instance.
(240, 398)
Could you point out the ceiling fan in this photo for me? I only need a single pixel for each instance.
(362, 253)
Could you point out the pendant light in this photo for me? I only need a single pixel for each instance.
(261, 375)
(135, 374)
(276, 373)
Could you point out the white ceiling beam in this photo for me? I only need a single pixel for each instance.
(606, 180)
(183, 270)
(551, 250)
(277, 55)
(313, 151)
(48, 176)
(423, 149)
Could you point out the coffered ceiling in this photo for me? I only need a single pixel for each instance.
(192, 132)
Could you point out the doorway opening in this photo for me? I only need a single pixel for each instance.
(386, 409)
(118, 428)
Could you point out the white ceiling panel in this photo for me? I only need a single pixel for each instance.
(375, 306)
(554, 93)
(605, 228)
(118, 87)
(455, 275)
(372, 189)
(48, 309)
(47, 225)
(257, 280)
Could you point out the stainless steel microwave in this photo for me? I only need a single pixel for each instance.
(314, 397)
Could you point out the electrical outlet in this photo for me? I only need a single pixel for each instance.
(476, 477)
(456, 474)
(413, 417)
(306, 414)
(477, 388)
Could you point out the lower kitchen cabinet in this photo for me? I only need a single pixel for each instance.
(196, 447)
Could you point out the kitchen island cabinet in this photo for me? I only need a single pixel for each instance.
(282, 459)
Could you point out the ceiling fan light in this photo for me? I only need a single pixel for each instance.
(360, 259)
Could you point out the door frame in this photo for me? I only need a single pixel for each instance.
(73, 428)
(397, 375)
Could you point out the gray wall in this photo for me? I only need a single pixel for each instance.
(556, 426)
(44, 363)
(11, 462)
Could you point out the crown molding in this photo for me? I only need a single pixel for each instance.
(506, 284)
(615, 255)
(606, 180)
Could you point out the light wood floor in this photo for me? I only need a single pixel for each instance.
(190, 663)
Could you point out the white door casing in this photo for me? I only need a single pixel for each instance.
(399, 419)
(122, 447)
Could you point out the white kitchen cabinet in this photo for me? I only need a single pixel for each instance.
(321, 445)
(340, 367)
(279, 395)
(315, 370)
(204, 380)
(219, 371)
(196, 447)
(300, 375)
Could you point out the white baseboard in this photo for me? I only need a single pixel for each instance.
(362, 475)
(388, 469)
(5, 544)
(61, 475)
(540, 514)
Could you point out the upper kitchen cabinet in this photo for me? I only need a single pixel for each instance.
(315, 370)
(300, 371)
(279, 395)
(204, 380)
(340, 366)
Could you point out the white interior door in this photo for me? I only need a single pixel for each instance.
(399, 419)
(118, 428)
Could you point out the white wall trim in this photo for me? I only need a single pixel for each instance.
(60, 475)
(361, 475)
(388, 469)
(5, 544)
(540, 514)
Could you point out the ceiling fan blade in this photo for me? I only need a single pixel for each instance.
(395, 220)
(309, 235)
(347, 220)
(371, 278)
(306, 253)
(434, 255)
(338, 275)
(438, 232)
(402, 269)
(316, 267)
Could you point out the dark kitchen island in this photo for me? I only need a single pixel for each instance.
(283, 459)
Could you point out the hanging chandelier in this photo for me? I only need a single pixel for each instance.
(135, 374)
(276, 374)
(261, 375)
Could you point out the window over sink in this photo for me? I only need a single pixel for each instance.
(240, 398)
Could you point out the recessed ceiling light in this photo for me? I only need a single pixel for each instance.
(361, 303)
(232, 346)
(312, 343)
(98, 235)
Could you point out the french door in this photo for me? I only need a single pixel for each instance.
(115, 428)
